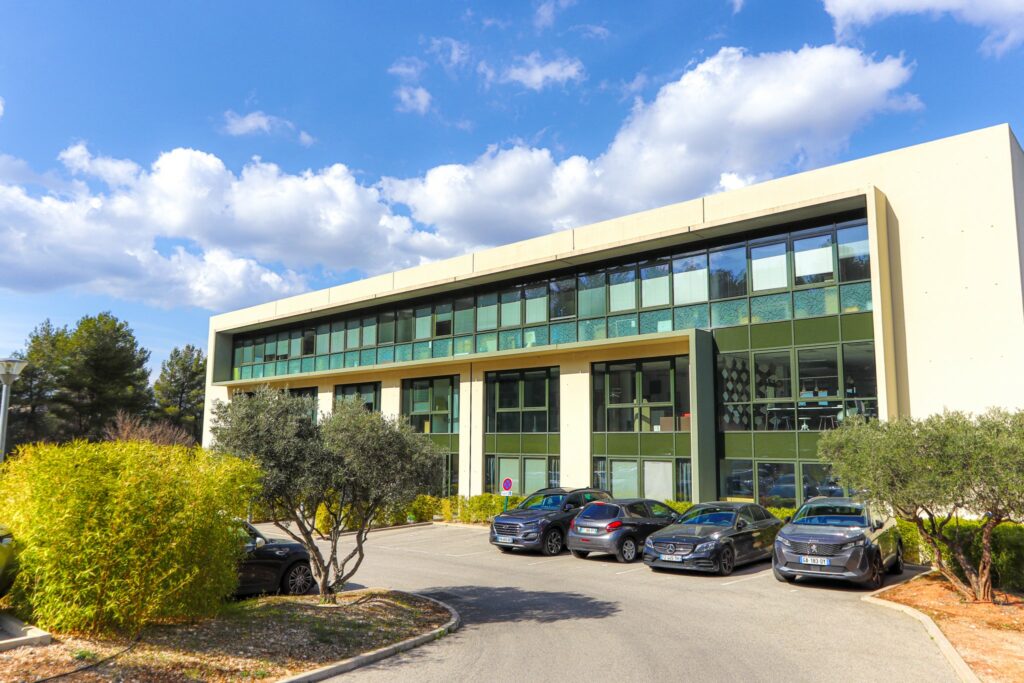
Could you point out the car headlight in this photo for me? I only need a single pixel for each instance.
(705, 547)
(531, 526)
(784, 541)
(853, 544)
(648, 543)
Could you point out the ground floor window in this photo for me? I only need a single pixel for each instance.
(655, 478)
(528, 473)
(776, 484)
(450, 477)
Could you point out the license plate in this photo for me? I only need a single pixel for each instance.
(671, 558)
(587, 530)
(822, 561)
(504, 539)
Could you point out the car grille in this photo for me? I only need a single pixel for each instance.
(824, 549)
(506, 528)
(674, 548)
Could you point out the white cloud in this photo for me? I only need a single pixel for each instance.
(1, 106)
(450, 53)
(534, 73)
(592, 31)
(305, 139)
(1003, 19)
(487, 73)
(413, 99)
(737, 6)
(408, 68)
(733, 119)
(544, 16)
(261, 123)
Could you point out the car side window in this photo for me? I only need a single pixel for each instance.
(591, 496)
(660, 511)
(760, 514)
(574, 500)
(637, 510)
(746, 515)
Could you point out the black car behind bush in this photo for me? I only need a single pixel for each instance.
(273, 565)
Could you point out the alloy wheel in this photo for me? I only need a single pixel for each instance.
(725, 561)
(300, 579)
(629, 550)
(553, 542)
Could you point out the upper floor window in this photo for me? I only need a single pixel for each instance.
(432, 404)
(367, 392)
(651, 395)
(522, 401)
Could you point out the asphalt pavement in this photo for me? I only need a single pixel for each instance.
(533, 618)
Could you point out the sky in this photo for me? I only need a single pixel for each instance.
(168, 161)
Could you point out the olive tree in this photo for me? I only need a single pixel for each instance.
(934, 472)
(351, 466)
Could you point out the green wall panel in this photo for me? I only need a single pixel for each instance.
(656, 444)
(780, 445)
(598, 444)
(507, 443)
(554, 444)
(816, 330)
(623, 444)
(683, 444)
(771, 335)
(733, 338)
(737, 445)
(808, 445)
(535, 444)
(489, 443)
(455, 443)
(858, 326)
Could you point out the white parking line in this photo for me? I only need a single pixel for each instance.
(553, 559)
(635, 569)
(747, 578)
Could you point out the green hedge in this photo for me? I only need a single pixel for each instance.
(113, 536)
(1007, 550)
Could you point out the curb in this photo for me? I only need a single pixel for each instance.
(343, 534)
(963, 671)
(461, 525)
(21, 633)
(359, 661)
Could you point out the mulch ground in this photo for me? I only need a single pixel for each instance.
(990, 637)
(255, 639)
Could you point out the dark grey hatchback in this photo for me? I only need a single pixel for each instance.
(838, 538)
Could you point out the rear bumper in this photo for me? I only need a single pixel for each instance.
(604, 543)
(851, 565)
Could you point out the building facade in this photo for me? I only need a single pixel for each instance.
(691, 352)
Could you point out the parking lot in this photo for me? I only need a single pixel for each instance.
(533, 618)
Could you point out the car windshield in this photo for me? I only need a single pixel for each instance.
(600, 511)
(831, 514)
(708, 516)
(543, 501)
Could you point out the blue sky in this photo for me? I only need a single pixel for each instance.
(169, 161)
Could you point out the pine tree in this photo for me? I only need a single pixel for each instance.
(181, 388)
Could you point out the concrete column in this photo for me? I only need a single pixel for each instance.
(325, 400)
(391, 396)
(471, 438)
(574, 395)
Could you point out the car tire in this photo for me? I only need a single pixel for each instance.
(553, 542)
(876, 575)
(726, 561)
(581, 554)
(298, 579)
(779, 576)
(627, 551)
(897, 564)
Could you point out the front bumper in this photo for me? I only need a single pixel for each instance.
(527, 538)
(706, 561)
(849, 565)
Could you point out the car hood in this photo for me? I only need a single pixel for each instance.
(284, 544)
(680, 532)
(523, 515)
(806, 533)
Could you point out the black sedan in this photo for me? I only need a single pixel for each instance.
(714, 537)
(273, 565)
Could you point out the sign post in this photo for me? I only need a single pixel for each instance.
(506, 489)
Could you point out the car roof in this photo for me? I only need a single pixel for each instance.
(589, 488)
(836, 500)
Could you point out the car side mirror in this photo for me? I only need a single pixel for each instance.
(567, 507)
(740, 524)
(787, 519)
(876, 525)
(260, 542)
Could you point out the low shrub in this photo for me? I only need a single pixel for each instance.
(113, 536)
(1007, 550)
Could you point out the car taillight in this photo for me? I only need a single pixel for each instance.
(572, 524)
(613, 526)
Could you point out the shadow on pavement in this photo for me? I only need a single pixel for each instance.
(891, 580)
(501, 604)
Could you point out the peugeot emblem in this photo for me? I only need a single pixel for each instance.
(671, 548)
(814, 548)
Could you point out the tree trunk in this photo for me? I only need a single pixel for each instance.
(983, 590)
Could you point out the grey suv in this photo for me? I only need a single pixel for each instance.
(540, 522)
(838, 538)
(619, 527)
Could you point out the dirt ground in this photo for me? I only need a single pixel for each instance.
(256, 639)
(990, 637)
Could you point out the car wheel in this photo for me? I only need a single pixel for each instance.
(581, 554)
(876, 573)
(779, 576)
(552, 542)
(627, 551)
(897, 564)
(297, 580)
(726, 561)
(504, 548)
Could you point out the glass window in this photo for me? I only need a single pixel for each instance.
(859, 370)
(432, 405)
(736, 479)
(464, 309)
(690, 279)
(691, 317)
(728, 272)
(270, 349)
(295, 344)
(423, 320)
(622, 325)
(855, 298)
(282, 345)
(443, 319)
(486, 343)
(769, 267)
(352, 334)
(809, 303)
(776, 484)
(682, 390)
(510, 339)
(625, 479)
(535, 336)
(812, 260)
(367, 392)
(369, 326)
(734, 417)
(774, 416)
(771, 308)
(592, 329)
(729, 313)
(421, 350)
(563, 333)
(463, 345)
(655, 284)
(511, 308)
(507, 387)
(591, 295)
(404, 329)
(258, 347)
(622, 289)
(487, 312)
(562, 300)
(819, 415)
(598, 396)
(854, 256)
(247, 354)
(522, 401)
(323, 339)
(600, 473)
(442, 348)
(684, 479)
(656, 321)
(656, 382)
(733, 375)
(818, 480)
(621, 383)
(554, 472)
(386, 331)
(818, 372)
(772, 375)
(536, 303)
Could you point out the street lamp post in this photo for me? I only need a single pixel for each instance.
(10, 368)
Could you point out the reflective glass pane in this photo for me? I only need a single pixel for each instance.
(734, 417)
(728, 269)
(727, 313)
(776, 484)
(535, 474)
(774, 416)
(510, 339)
(691, 317)
(403, 352)
(562, 298)
(622, 289)
(487, 312)
(736, 478)
(771, 308)
(385, 354)
(535, 336)
(656, 381)
(682, 398)
(421, 350)
(656, 321)
(622, 325)
(563, 333)
(812, 260)
(655, 284)
(591, 294)
(809, 303)
(404, 328)
(859, 370)
(818, 480)
(621, 419)
(733, 377)
(535, 389)
(773, 375)
(485, 343)
(621, 383)
(592, 329)
(423, 322)
(368, 357)
(511, 308)
(442, 348)
(295, 344)
(464, 319)
(337, 336)
(684, 479)
(369, 326)
(352, 334)
(818, 372)
(535, 421)
(351, 359)
(536, 304)
(854, 256)
(463, 345)
(507, 388)
(323, 339)
(658, 484)
(509, 423)
(258, 347)
(307, 365)
(769, 267)
(322, 363)
(855, 298)
(442, 319)
(442, 388)
(508, 468)
(690, 279)
(386, 330)
(625, 482)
